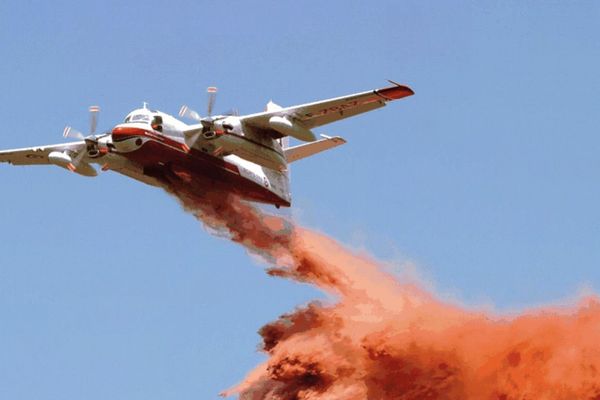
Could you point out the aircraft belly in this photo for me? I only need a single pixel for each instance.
(274, 180)
(202, 171)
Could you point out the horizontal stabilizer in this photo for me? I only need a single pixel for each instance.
(306, 150)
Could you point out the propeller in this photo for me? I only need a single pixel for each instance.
(73, 133)
(82, 150)
(187, 112)
(208, 122)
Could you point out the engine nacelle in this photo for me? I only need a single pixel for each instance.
(226, 137)
(65, 161)
(233, 144)
(59, 158)
(290, 128)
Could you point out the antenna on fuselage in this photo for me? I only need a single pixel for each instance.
(145, 105)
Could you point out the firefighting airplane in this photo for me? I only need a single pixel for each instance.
(247, 155)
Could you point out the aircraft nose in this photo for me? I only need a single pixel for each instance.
(123, 132)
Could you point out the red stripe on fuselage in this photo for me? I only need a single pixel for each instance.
(128, 131)
(183, 152)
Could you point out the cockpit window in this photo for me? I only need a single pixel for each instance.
(138, 118)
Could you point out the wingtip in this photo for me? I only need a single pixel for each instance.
(395, 92)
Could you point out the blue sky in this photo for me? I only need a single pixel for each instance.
(486, 179)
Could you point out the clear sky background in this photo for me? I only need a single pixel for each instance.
(486, 179)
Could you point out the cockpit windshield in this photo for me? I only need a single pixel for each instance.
(138, 118)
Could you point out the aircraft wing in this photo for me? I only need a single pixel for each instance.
(36, 155)
(323, 112)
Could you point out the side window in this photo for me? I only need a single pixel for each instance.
(157, 123)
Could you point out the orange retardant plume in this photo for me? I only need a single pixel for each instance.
(382, 339)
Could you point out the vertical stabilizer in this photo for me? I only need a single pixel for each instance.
(270, 107)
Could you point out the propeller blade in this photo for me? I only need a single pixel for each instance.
(94, 110)
(187, 112)
(212, 97)
(81, 152)
(72, 133)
